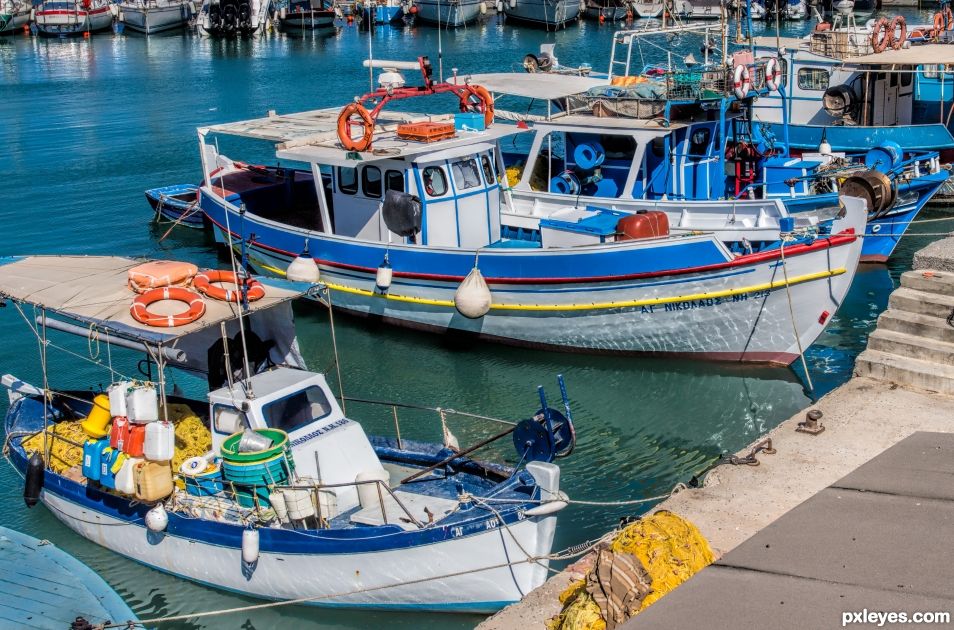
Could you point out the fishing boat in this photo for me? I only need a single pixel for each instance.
(698, 9)
(448, 13)
(308, 15)
(14, 15)
(294, 500)
(64, 18)
(551, 15)
(154, 16)
(648, 9)
(515, 264)
(608, 10)
(233, 18)
(383, 11)
(177, 203)
(49, 588)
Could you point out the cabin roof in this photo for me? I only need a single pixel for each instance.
(913, 56)
(584, 120)
(93, 290)
(765, 41)
(539, 85)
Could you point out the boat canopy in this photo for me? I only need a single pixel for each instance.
(92, 291)
(913, 56)
(312, 136)
(540, 85)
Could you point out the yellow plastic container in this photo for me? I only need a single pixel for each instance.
(153, 480)
(98, 418)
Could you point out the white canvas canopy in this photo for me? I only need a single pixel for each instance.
(91, 294)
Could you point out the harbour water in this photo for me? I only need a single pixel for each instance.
(87, 125)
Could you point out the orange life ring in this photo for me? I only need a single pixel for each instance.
(948, 18)
(896, 23)
(938, 22)
(344, 127)
(140, 307)
(486, 102)
(881, 35)
(205, 283)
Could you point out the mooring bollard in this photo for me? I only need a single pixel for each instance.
(811, 425)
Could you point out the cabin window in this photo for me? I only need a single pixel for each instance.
(435, 182)
(347, 180)
(932, 71)
(619, 147)
(906, 79)
(299, 409)
(813, 79)
(371, 181)
(488, 166)
(394, 180)
(466, 173)
(658, 146)
(699, 142)
(229, 420)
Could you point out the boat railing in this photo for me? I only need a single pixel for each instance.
(381, 487)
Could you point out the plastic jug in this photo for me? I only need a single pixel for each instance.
(160, 444)
(142, 403)
(119, 434)
(125, 478)
(135, 443)
(117, 398)
(153, 480)
(93, 458)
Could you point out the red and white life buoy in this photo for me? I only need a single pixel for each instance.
(205, 283)
(773, 74)
(742, 81)
(140, 307)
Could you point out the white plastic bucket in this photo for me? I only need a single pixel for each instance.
(142, 404)
(160, 443)
(368, 492)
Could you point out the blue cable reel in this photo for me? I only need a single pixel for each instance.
(549, 434)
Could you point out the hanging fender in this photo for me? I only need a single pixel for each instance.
(477, 97)
(205, 282)
(141, 313)
(344, 127)
(773, 74)
(742, 81)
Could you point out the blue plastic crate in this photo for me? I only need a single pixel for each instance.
(469, 122)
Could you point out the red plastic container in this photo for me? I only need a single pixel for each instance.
(136, 440)
(651, 224)
(119, 433)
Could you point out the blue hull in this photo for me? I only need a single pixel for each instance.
(883, 233)
(933, 137)
(381, 14)
(177, 203)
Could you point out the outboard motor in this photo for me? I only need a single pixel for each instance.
(245, 16)
(229, 16)
(402, 213)
(840, 101)
(215, 16)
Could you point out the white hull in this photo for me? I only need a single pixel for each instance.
(549, 14)
(648, 9)
(154, 19)
(449, 13)
(741, 314)
(73, 22)
(16, 20)
(689, 11)
(357, 580)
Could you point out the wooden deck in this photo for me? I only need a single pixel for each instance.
(42, 586)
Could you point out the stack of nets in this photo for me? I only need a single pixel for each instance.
(647, 559)
(192, 436)
(63, 454)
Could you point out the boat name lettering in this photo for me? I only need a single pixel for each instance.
(689, 305)
(321, 431)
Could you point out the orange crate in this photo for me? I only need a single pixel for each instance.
(426, 131)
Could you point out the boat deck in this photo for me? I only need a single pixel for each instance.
(42, 586)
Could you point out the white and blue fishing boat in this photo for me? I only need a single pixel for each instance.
(295, 501)
(178, 203)
(464, 252)
(14, 15)
(551, 15)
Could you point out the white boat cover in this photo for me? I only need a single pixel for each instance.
(913, 56)
(539, 85)
(92, 291)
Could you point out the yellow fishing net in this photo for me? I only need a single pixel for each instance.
(670, 548)
(63, 455)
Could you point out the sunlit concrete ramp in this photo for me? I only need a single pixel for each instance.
(879, 539)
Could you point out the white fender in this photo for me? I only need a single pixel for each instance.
(157, 519)
(250, 546)
(303, 269)
(472, 298)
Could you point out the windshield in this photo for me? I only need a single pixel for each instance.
(298, 410)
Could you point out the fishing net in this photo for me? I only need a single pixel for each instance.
(670, 549)
(63, 454)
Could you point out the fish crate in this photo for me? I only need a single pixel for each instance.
(426, 131)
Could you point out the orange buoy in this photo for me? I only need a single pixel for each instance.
(485, 102)
(141, 313)
(205, 283)
(602, 18)
(344, 127)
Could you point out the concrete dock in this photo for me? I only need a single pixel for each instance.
(896, 394)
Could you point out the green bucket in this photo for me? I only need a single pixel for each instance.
(231, 453)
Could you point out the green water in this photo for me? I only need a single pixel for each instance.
(88, 125)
